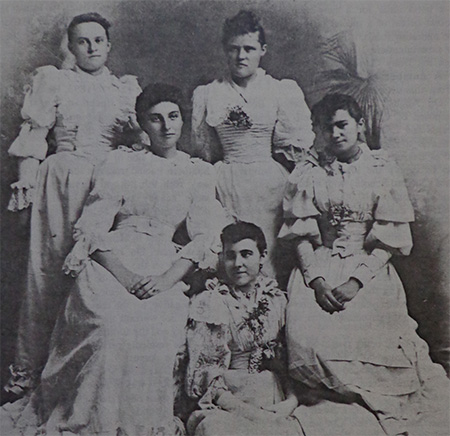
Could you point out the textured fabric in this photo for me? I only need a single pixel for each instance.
(111, 361)
(224, 330)
(343, 211)
(244, 127)
(225, 334)
(85, 113)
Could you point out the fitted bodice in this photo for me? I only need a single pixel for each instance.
(246, 145)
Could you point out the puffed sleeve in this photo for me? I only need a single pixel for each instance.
(204, 138)
(293, 134)
(393, 211)
(39, 114)
(97, 218)
(129, 91)
(207, 336)
(205, 219)
(390, 233)
(299, 210)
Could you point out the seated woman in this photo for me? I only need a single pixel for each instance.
(349, 335)
(235, 365)
(114, 345)
(234, 334)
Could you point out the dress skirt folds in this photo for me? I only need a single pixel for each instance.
(83, 114)
(110, 369)
(370, 348)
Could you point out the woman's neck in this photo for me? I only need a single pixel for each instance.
(243, 82)
(93, 73)
(248, 291)
(166, 153)
(351, 156)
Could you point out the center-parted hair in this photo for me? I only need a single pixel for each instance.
(323, 111)
(90, 17)
(242, 23)
(242, 230)
(157, 93)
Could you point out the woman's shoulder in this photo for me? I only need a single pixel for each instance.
(197, 165)
(212, 89)
(307, 168)
(382, 162)
(121, 157)
(47, 76)
(129, 83)
(210, 305)
(270, 287)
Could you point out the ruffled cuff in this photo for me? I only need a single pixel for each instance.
(31, 142)
(291, 152)
(305, 228)
(208, 398)
(203, 251)
(21, 198)
(76, 260)
(395, 236)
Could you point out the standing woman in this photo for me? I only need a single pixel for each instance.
(83, 109)
(246, 119)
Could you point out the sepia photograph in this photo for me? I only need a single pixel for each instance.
(225, 217)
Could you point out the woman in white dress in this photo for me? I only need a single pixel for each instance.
(243, 121)
(83, 109)
(110, 369)
(349, 335)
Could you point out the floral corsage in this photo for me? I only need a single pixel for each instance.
(238, 118)
(338, 213)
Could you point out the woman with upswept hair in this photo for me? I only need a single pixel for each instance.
(248, 122)
(84, 110)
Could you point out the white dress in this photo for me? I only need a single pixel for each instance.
(370, 348)
(84, 114)
(110, 369)
(243, 128)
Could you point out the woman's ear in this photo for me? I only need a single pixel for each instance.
(361, 129)
(263, 49)
(262, 259)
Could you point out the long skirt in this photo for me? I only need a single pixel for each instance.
(64, 183)
(370, 349)
(110, 368)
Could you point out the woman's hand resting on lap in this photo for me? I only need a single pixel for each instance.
(324, 296)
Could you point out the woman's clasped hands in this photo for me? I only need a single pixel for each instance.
(333, 299)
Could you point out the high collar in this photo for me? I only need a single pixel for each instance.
(104, 73)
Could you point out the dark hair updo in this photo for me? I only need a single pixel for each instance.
(90, 17)
(157, 93)
(242, 23)
(323, 111)
(242, 230)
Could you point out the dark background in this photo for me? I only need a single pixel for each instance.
(405, 42)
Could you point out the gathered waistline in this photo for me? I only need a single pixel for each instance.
(147, 225)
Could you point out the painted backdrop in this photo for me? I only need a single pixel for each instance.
(404, 44)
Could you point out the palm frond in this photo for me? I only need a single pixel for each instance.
(368, 91)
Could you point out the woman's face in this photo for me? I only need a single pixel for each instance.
(242, 262)
(244, 53)
(90, 46)
(342, 133)
(163, 124)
